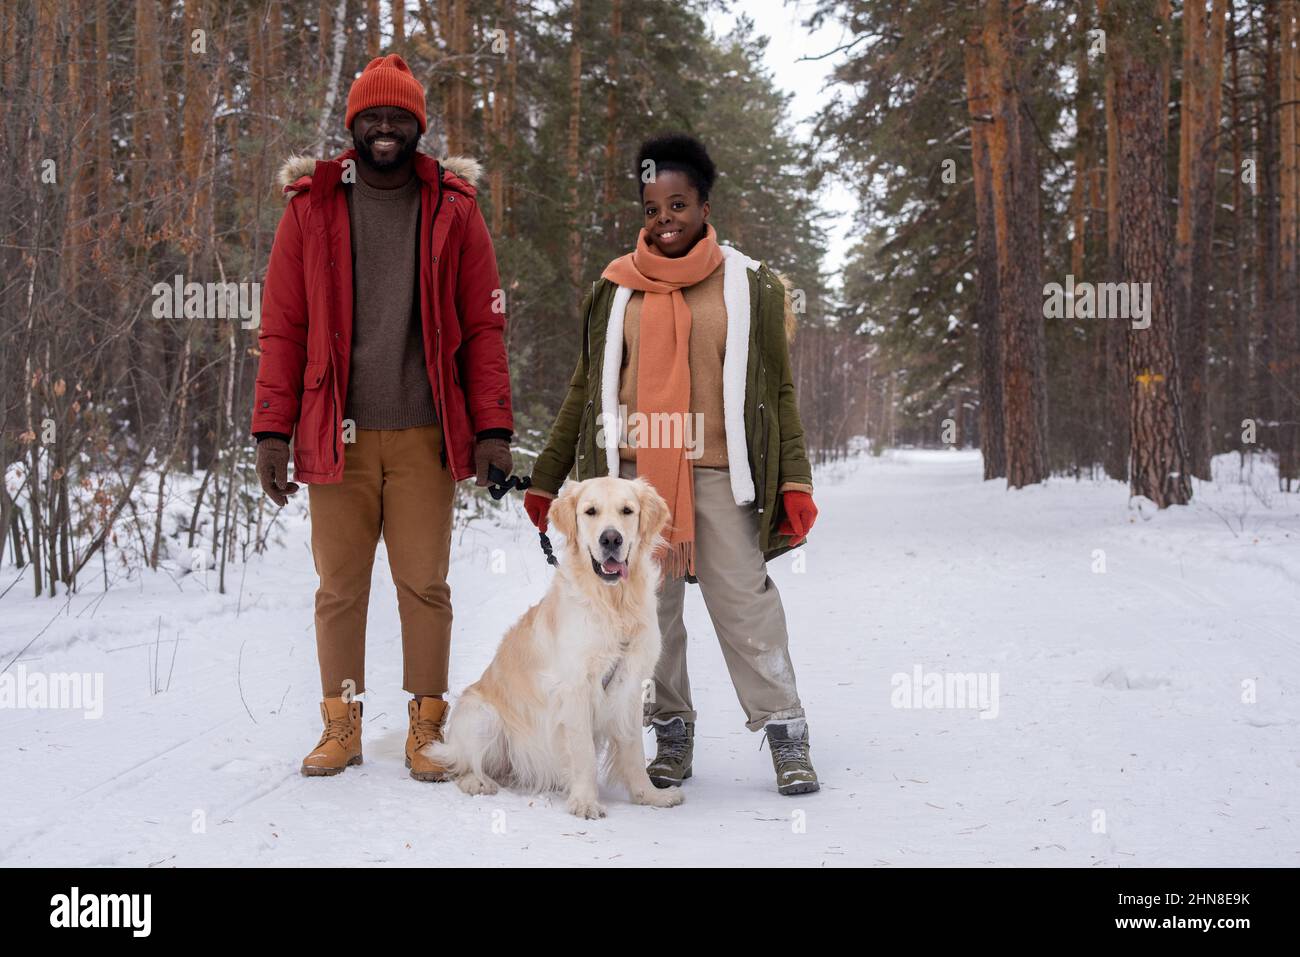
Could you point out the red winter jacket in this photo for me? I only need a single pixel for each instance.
(306, 331)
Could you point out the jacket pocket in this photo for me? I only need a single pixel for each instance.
(314, 374)
(316, 425)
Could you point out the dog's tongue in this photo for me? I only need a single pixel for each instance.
(613, 566)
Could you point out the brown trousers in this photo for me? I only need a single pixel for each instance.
(394, 485)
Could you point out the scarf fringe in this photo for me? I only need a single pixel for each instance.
(677, 561)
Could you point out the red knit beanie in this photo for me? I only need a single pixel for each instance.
(386, 81)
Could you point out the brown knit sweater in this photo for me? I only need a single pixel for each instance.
(388, 385)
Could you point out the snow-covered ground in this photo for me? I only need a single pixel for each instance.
(1145, 714)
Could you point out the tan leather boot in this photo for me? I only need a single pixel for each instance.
(340, 745)
(427, 716)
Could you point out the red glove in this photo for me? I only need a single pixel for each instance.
(800, 513)
(537, 506)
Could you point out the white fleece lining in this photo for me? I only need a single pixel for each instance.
(609, 370)
(735, 364)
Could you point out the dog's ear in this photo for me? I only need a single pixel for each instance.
(654, 510)
(563, 513)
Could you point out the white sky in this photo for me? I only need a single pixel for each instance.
(782, 21)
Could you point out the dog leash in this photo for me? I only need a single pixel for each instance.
(499, 486)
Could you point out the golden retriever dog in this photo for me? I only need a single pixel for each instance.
(566, 682)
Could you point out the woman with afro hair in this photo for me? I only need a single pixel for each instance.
(685, 331)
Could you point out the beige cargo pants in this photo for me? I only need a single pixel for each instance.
(743, 604)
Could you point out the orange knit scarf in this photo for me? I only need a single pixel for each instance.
(663, 382)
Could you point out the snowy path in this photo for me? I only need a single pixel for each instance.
(1120, 694)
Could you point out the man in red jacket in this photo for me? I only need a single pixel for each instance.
(383, 357)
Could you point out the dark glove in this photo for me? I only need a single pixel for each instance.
(273, 470)
(489, 452)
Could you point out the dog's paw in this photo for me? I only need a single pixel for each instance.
(654, 797)
(589, 808)
(473, 784)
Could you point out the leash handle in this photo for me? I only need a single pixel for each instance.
(499, 484)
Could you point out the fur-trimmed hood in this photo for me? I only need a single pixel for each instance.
(298, 166)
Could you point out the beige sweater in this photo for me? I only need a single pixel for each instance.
(705, 433)
(708, 347)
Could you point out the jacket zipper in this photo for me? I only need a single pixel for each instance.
(334, 413)
(439, 399)
(582, 431)
(586, 352)
(761, 495)
(441, 412)
(336, 427)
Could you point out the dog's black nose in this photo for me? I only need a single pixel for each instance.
(611, 540)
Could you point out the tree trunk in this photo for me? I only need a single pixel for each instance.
(1266, 207)
(986, 258)
(1115, 446)
(373, 38)
(1284, 315)
(613, 128)
(500, 117)
(1198, 151)
(574, 144)
(340, 40)
(1241, 316)
(1019, 246)
(512, 76)
(1157, 447)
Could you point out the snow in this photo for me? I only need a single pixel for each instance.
(1125, 732)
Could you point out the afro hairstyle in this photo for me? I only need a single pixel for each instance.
(683, 153)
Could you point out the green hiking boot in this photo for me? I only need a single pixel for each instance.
(788, 742)
(672, 762)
